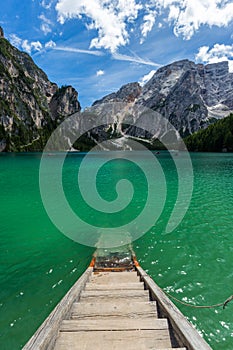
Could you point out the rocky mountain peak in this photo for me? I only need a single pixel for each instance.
(64, 102)
(191, 96)
(127, 93)
(31, 106)
(164, 79)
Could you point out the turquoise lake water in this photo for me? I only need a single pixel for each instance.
(38, 264)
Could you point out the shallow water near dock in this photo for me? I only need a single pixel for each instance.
(38, 264)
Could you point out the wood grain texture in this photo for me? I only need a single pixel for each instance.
(113, 311)
(184, 331)
(106, 295)
(114, 277)
(132, 309)
(117, 340)
(113, 325)
(115, 286)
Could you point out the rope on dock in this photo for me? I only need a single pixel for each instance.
(224, 304)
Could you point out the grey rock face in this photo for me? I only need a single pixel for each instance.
(127, 93)
(31, 106)
(189, 95)
(64, 102)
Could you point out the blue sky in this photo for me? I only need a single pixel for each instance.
(99, 45)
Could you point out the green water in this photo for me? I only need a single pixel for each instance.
(38, 264)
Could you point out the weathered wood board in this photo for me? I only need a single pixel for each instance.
(115, 340)
(108, 310)
(113, 309)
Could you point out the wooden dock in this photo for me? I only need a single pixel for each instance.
(114, 306)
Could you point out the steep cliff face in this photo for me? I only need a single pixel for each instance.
(30, 105)
(191, 96)
(127, 93)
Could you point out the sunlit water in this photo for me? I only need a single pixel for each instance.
(38, 264)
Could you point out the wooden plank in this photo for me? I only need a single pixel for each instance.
(184, 331)
(115, 286)
(45, 336)
(111, 277)
(116, 340)
(114, 294)
(113, 310)
(114, 325)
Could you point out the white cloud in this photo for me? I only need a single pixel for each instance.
(45, 28)
(218, 53)
(46, 24)
(109, 18)
(100, 72)
(25, 44)
(188, 16)
(15, 40)
(31, 46)
(36, 45)
(44, 19)
(50, 44)
(46, 4)
(136, 59)
(115, 20)
(147, 77)
(149, 21)
(174, 12)
(71, 49)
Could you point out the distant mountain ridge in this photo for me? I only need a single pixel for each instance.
(191, 96)
(31, 106)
